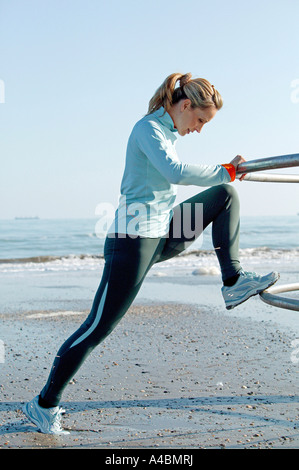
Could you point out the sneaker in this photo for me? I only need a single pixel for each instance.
(46, 419)
(247, 285)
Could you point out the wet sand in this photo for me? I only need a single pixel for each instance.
(170, 376)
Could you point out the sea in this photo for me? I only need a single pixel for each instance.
(56, 264)
(33, 244)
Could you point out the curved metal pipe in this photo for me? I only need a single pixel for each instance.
(271, 178)
(284, 161)
(269, 297)
(270, 163)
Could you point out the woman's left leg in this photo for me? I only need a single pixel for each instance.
(218, 205)
(127, 261)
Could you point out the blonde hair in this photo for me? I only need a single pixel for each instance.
(201, 93)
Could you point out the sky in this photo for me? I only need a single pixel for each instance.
(75, 76)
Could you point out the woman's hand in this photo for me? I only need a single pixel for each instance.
(236, 162)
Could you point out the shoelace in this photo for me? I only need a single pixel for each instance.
(251, 274)
(56, 420)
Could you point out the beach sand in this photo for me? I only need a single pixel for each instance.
(170, 376)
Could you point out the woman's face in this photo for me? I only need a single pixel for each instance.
(187, 119)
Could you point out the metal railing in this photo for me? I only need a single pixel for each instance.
(269, 296)
(272, 163)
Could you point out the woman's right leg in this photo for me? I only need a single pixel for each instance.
(127, 261)
(220, 206)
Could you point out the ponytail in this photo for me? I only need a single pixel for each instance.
(200, 92)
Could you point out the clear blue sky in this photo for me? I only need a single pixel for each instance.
(79, 73)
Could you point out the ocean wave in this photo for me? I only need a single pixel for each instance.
(269, 253)
(263, 251)
(190, 258)
(51, 263)
(48, 258)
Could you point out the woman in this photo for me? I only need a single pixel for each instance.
(147, 229)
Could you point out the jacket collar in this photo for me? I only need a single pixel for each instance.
(165, 119)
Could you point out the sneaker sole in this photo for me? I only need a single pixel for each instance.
(252, 294)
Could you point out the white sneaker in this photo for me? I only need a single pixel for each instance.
(247, 285)
(46, 419)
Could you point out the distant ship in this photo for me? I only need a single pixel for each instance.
(27, 218)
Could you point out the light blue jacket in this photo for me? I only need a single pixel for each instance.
(151, 172)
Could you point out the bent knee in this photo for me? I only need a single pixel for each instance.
(228, 191)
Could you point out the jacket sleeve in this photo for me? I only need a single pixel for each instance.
(152, 142)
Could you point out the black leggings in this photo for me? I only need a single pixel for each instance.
(128, 260)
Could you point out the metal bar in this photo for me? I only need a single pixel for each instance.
(270, 163)
(277, 289)
(269, 297)
(271, 178)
